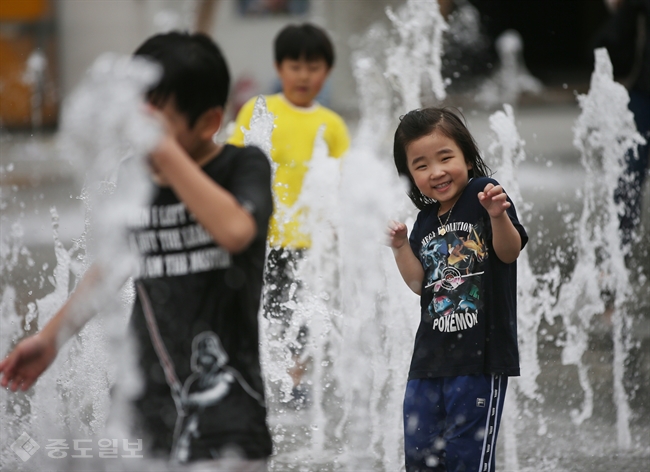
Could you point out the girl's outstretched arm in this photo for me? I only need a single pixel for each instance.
(409, 265)
(505, 238)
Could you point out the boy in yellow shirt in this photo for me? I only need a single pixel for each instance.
(304, 57)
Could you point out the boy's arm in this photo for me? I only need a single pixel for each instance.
(505, 237)
(216, 209)
(409, 266)
(33, 355)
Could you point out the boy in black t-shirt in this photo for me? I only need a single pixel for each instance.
(199, 285)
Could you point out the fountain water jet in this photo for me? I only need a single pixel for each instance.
(511, 79)
(604, 132)
(418, 51)
(101, 121)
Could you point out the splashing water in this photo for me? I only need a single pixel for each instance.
(261, 127)
(511, 78)
(534, 292)
(355, 317)
(604, 132)
(417, 52)
(375, 98)
(396, 65)
(102, 121)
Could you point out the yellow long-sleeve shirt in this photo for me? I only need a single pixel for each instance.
(292, 145)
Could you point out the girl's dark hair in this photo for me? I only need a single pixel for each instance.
(422, 122)
(306, 40)
(195, 72)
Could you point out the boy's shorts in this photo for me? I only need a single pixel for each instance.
(451, 423)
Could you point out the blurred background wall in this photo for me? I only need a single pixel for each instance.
(61, 38)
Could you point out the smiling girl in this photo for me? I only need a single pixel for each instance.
(461, 259)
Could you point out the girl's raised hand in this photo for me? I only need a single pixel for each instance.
(494, 200)
(397, 234)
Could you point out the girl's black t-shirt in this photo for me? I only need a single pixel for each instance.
(468, 322)
(203, 394)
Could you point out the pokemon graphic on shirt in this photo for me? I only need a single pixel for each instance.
(453, 262)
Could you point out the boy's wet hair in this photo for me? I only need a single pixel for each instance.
(303, 41)
(423, 122)
(195, 72)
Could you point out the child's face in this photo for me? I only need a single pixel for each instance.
(178, 125)
(302, 80)
(438, 168)
(195, 140)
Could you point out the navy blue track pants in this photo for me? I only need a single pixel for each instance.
(451, 423)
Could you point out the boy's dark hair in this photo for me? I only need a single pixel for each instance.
(195, 72)
(306, 40)
(422, 122)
